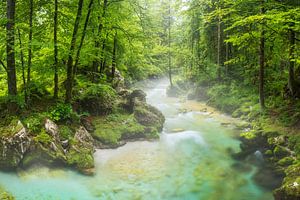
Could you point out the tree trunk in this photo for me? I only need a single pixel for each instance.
(114, 58)
(169, 44)
(262, 63)
(23, 65)
(10, 48)
(69, 84)
(219, 49)
(291, 81)
(103, 60)
(82, 38)
(55, 50)
(97, 62)
(29, 47)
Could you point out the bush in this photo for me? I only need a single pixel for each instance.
(97, 99)
(61, 112)
(65, 132)
(37, 90)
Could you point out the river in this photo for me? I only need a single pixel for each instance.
(192, 164)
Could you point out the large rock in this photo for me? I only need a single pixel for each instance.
(46, 148)
(13, 146)
(149, 116)
(52, 129)
(80, 154)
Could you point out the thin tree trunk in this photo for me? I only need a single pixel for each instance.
(262, 62)
(97, 41)
(219, 49)
(29, 47)
(55, 50)
(82, 38)
(10, 48)
(169, 44)
(69, 84)
(291, 82)
(114, 58)
(23, 66)
(103, 61)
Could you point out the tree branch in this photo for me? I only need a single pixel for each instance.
(3, 65)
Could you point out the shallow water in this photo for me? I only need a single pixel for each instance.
(193, 163)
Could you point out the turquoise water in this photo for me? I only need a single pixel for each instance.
(192, 163)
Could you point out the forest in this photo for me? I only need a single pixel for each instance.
(80, 77)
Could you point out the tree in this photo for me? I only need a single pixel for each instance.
(69, 84)
(262, 60)
(55, 49)
(10, 48)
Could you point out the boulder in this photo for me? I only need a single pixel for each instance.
(132, 98)
(46, 148)
(13, 146)
(149, 116)
(80, 154)
(52, 129)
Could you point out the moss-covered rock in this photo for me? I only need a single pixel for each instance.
(80, 153)
(97, 99)
(4, 195)
(112, 129)
(290, 189)
(286, 161)
(15, 142)
(280, 151)
(149, 116)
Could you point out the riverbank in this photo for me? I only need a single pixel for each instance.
(273, 133)
(66, 135)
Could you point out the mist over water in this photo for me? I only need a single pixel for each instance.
(190, 163)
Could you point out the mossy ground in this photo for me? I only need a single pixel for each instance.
(5, 195)
(115, 127)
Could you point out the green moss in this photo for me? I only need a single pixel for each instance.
(65, 132)
(4, 195)
(286, 161)
(34, 123)
(113, 128)
(280, 152)
(249, 135)
(11, 129)
(82, 159)
(43, 137)
(269, 153)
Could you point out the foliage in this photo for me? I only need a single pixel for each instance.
(65, 132)
(97, 98)
(61, 112)
(43, 137)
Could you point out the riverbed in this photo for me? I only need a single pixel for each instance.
(191, 160)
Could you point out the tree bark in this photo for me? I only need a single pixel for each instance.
(97, 62)
(82, 38)
(262, 61)
(55, 95)
(29, 47)
(10, 48)
(103, 59)
(219, 48)
(69, 84)
(291, 81)
(169, 44)
(23, 65)
(114, 58)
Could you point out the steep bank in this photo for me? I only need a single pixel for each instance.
(66, 136)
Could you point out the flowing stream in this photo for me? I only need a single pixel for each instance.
(193, 163)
